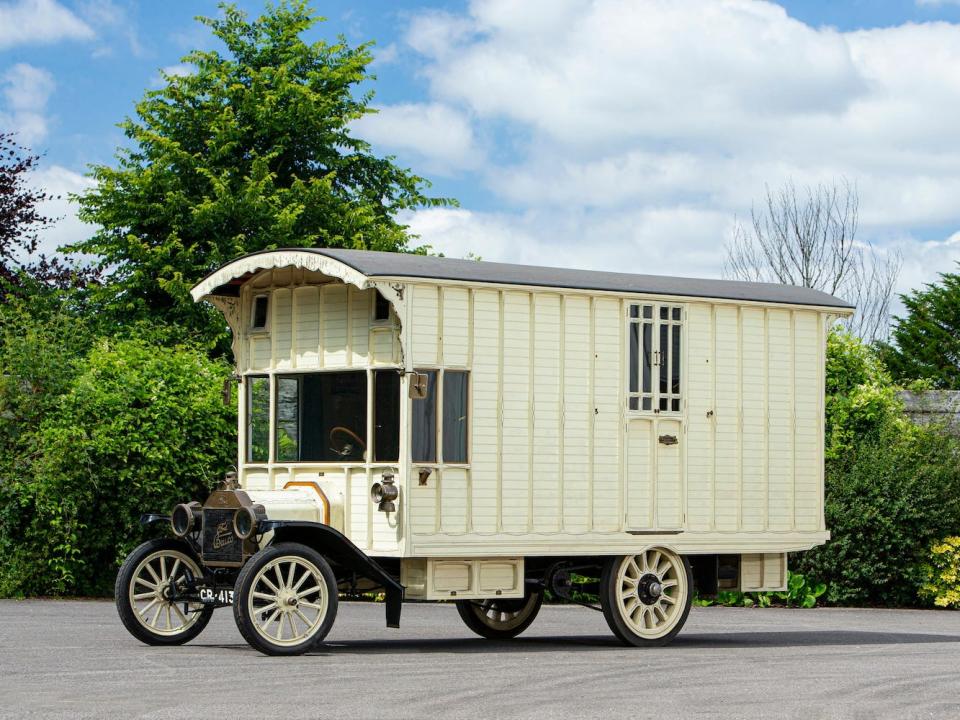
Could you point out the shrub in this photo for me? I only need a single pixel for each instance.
(139, 428)
(887, 498)
(941, 574)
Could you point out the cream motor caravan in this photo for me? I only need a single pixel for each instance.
(476, 432)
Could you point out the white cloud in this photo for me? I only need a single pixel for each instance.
(640, 128)
(59, 182)
(26, 90)
(439, 137)
(39, 21)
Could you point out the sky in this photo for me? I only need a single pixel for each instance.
(624, 135)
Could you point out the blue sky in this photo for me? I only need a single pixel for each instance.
(611, 134)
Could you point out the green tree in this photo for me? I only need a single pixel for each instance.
(926, 341)
(250, 151)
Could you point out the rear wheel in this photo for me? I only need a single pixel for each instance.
(500, 619)
(146, 590)
(646, 598)
(286, 599)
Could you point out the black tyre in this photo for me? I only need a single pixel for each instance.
(501, 619)
(147, 578)
(286, 599)
(646, 597)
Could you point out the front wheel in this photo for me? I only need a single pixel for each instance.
(646, 598)
(148, 584)
(285, 600)
(500, 619)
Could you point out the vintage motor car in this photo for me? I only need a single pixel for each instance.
(476, 432)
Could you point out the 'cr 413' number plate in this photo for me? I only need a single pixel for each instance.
(224, 597)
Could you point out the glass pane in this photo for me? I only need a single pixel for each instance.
(260, 312)
(386, 416)
(634, 356)
(381, 308)
(646, 403)
(663, 403)
(634, 403)
(675, 405)
(663, 312)
(634, 311)
(425, 422)
(288, 418)
(648, 312)
(647, 357)
(676, 313)
(455, 417)
(675, 361)
(258, 419)
(663, 358)
(334, 416)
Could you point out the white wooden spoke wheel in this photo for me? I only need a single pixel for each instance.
(646, 597)
(286, 599)
(149, 587)
(500, 618)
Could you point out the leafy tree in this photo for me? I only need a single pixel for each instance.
(250, 151)
(926, 341)
(22, 268)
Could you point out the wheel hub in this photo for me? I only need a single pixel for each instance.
(649, 589)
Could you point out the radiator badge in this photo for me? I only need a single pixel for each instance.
(224, 537)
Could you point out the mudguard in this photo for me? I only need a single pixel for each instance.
(334, 545)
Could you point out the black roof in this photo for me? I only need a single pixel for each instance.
(387, 264)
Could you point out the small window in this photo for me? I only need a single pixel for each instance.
(653, 376)
(455, 404)
(386, 416)
(260, 306)
(424, 411)
(381, 307)
(258, 418)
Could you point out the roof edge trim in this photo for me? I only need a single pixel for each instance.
(267, 260)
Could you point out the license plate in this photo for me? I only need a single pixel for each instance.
(224, 597)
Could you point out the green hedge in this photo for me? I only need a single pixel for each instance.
(139, 427)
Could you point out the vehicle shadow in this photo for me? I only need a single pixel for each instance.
(752, 640)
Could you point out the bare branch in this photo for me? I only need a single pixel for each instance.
(808, 238)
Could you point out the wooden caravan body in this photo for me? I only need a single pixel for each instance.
(572, 413)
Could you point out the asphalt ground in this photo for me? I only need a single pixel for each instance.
(73, 659)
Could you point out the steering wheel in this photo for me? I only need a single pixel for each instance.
(346, 447)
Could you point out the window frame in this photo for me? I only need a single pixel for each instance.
(247, 420)
(438, 405)
(674, 325)
(265, 328)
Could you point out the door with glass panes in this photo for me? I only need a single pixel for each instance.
(654, 416)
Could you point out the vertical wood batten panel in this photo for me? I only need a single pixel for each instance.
(456, 327)
(515, 453)
(281, 330)
(780, 420)
(607, 420)
(700, 401)
(726, 418)
(425, 330)
(640, 475)
(547, 392)
(577, 413)
(808, 439)
(453, 496)
(485, 380)
(335, 335)
(306, 300)
(360, 314)
(754, 426)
